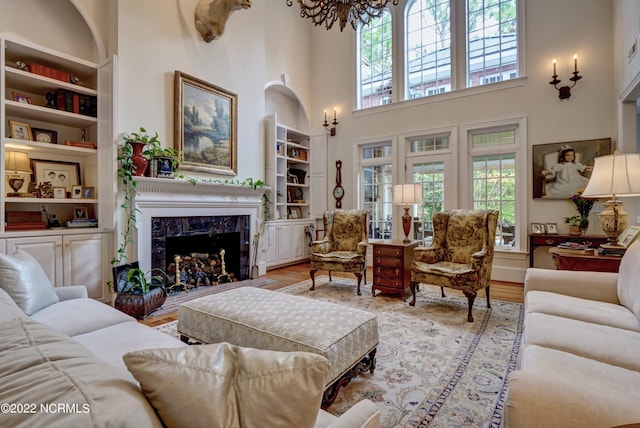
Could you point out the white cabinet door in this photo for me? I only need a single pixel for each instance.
(285, 252)
(299, 241)
(83, 258)
(47, 250)
(270, 245)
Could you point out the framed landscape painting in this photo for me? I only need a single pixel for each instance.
(206, 126)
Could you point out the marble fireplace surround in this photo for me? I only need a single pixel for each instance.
(159, 197)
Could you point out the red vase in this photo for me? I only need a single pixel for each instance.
(141, 163)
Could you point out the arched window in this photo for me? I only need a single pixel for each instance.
(428, 48)
(375, 65)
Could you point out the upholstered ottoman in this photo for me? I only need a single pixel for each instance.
(272, 320)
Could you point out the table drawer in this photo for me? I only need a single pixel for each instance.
(389, 282)
(387, 261)
(388, 271)
(388, 251)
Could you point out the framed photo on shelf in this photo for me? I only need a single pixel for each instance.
(59, 174)
(212, 145)
(295, 212)
(59, 193)
(20, 130)
(537, 228)
(629, 235)
(76, 192)
(80, 213)
(552, 228)
(20, 98)
(88, 192)
(44, 135)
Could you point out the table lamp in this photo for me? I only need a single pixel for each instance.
(407, 195)
(613, 176)
(16, 163)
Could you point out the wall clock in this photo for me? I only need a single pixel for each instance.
(338, 191)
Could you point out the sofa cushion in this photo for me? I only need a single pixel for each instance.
(628, 284)
(558, 389)
(222, 385)
(592, 311)
(8, 307)
(79, 316)
(610, 345)
(110, 343)
(39, 366)
(23, 278)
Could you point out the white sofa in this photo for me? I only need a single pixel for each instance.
(579, 362)
(62, 363)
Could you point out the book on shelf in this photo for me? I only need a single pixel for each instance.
(611, 251)
(82, 223)
(84, 144)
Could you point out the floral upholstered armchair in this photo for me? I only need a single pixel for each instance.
(344, 247)
(460, 256)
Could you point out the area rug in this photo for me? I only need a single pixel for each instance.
(176, 299)
(434, 369)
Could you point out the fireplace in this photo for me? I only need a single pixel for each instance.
(209, 217)
(201, 250)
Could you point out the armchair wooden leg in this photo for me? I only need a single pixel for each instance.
(312, 273)
(471, 297)
(488, 301)
(413, 286)
(442, 291)
(359, 276)
(330, 276)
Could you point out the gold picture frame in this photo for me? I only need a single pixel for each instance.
(629, 235)
(205, 126)
(20, 130)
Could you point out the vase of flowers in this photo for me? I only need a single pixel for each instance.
(583, 205)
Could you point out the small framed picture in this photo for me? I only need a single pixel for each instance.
(629, 235)
(20, 130)
(59, 193)
(76, 192)
(44, 135)
(537, 228)
(88, 192)
(80, 213)
(19, 98)
(552, 228)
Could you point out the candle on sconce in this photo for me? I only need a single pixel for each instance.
(554, 67)
(575, 62)
(334, 113)
(325, 115)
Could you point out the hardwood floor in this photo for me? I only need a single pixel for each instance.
(289, 275)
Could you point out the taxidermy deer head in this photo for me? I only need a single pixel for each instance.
(211, 16)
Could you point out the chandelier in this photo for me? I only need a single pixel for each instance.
(351, 11)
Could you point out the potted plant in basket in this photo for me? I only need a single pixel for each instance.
(139, 292)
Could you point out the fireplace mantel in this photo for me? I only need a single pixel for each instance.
(160, 197)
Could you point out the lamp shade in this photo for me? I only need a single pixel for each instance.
(407, 194)
(16, 163)
(614, 175)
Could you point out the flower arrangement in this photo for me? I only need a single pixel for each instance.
(583, 205)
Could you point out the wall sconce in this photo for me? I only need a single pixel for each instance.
(331, 131)
(564, 92)
(15, 164)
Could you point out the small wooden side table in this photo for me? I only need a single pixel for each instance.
(392, 266)
(589, 262)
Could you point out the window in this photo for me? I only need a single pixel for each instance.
(375, 65)
(494, 159)
(376, 173)
(492, 41)
(486, 51)
(428, 49)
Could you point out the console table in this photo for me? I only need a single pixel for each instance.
(590, 262)
(543, 240)
(392, 266)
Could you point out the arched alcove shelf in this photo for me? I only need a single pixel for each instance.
(283, 101)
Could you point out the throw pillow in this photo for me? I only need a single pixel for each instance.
(223, 385)
(22, 277)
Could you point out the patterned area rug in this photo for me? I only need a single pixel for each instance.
(434, 369)
(174, 300)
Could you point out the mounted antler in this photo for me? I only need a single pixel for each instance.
(211, 16)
